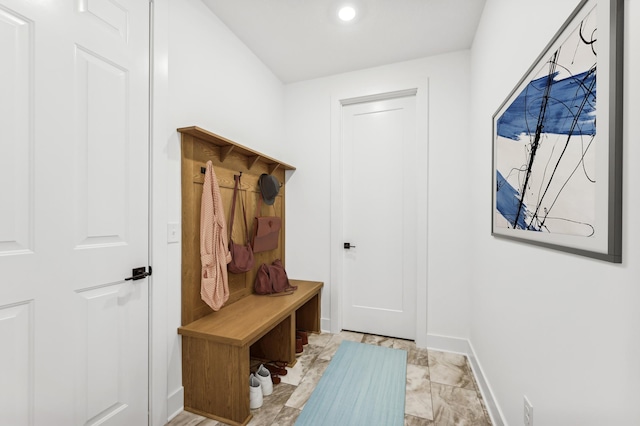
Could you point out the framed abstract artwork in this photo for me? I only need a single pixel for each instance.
(557, 141)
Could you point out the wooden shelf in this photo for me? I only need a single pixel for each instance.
(228, 146)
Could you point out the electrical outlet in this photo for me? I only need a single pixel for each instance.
(528, 412)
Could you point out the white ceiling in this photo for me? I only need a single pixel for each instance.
(303, 39)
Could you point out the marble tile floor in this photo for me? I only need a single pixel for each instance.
(441, 389)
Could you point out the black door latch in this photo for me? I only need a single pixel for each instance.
(139, 273)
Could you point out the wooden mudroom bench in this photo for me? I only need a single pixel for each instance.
(217, 346)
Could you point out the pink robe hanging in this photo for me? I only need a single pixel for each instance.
(214, 247)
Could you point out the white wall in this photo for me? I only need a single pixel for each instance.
(205, 76)
(559, 328)
(308, 135)
(217, 83)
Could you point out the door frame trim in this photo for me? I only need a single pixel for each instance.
(419, 89)
(161, 404)
(379, 97)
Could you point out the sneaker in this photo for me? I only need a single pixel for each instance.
(264, 376)
(255, 392)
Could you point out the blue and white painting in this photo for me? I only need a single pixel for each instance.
(545, 142)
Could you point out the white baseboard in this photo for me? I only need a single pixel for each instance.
(448, 344)
(497, 419)
(325, 325)
(463, 346)
(175, 403)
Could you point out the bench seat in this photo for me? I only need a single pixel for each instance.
(248, 319)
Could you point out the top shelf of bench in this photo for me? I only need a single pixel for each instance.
(248, 319)
(228, 146)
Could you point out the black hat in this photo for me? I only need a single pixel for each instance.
(269, 187)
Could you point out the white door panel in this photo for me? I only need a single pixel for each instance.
(16, 130)
(380, 218)
(16, 359)
(107, 352)
(74, 211)
(102, 181)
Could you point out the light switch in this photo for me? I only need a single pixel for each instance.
(173, 232)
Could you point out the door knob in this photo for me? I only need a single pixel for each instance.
(348, 246)
(139, 273)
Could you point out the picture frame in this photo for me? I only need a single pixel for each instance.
(557, 147)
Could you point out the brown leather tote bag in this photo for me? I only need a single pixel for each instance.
(273, 280)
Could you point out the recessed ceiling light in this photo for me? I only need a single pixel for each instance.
(347, 13)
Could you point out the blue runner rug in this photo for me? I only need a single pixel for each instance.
(363, 385)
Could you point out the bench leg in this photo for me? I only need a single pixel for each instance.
(308, 315)
(216, 380)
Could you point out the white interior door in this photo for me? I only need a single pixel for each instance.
(74, 122)
(380, 217)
